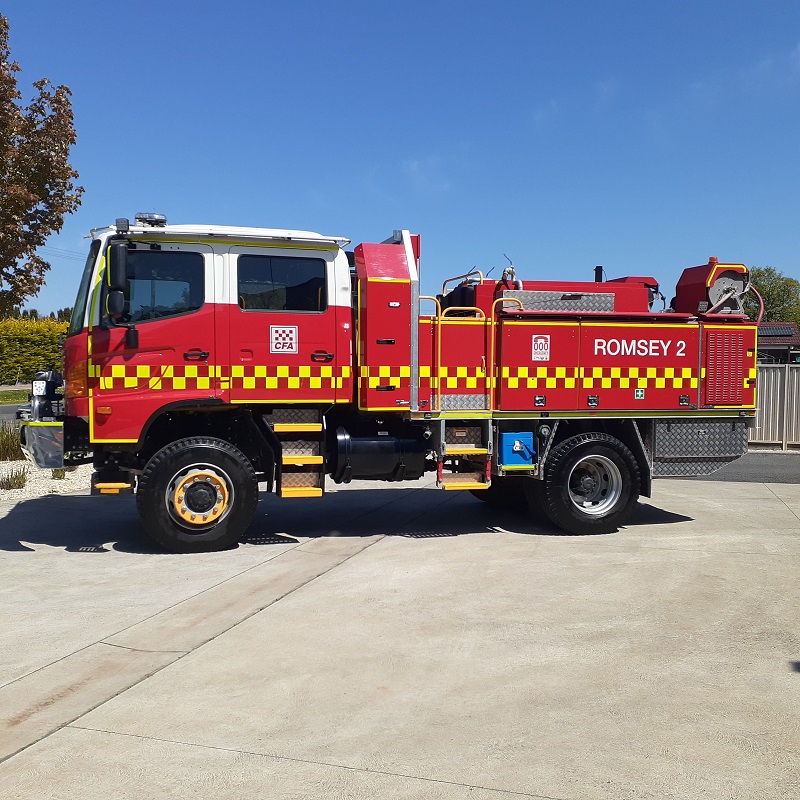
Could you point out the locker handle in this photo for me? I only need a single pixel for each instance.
(384, 341)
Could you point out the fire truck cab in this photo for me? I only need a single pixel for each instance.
(202, 361)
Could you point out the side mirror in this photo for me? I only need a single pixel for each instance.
(115, 303)
(115, 308)
(117, 266)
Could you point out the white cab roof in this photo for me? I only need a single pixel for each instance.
(227, 232)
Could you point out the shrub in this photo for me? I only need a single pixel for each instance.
(59, 474)
(10, 449)
(27, 346)
(15, 478)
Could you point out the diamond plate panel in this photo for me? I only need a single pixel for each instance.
(295, 416)
(463, 477)
(700, 439)
(561, 301)
(688, 468)
(298, 480)
(696, 447)
(465, 402)
(300, 447)
(462, 434)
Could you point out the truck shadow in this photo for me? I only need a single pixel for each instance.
(83, 524)
(426, 514)
(76, 524)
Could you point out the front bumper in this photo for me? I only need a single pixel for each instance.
(43, 443)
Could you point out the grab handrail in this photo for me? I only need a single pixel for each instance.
(459, 277)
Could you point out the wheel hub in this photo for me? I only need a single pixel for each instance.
(198, 497)
(586, 485)
(595, 485)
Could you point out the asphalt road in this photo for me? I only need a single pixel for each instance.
(8, 412)
(761, 467)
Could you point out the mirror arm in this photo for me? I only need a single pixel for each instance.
(131, 332)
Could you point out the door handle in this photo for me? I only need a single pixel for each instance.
(322, 356)
(195, 355)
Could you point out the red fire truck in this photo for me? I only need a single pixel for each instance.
(204, 360)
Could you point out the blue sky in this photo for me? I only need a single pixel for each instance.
(644, 136)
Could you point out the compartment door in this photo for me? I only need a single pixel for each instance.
(537, 366)
(729, 359)
(639, 367)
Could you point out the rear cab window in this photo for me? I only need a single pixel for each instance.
(281, 283)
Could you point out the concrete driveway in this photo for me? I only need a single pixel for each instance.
(405, 643)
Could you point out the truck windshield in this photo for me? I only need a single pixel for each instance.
(79, 309)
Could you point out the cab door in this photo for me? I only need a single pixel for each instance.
(283, 341)
(169, 301)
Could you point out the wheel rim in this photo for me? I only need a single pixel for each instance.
(595, 485)
(199, 496)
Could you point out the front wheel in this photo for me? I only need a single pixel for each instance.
(197, 495)
(591, 484)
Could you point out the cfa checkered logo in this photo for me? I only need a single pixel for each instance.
(283, 338)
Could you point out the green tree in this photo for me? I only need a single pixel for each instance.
(36, 178)
(781, 295)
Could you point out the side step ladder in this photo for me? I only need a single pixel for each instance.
(301, 433)
(465, 455)
(112, 481)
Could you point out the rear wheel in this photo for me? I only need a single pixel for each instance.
(591, 484)
(197, 495)
(507, 491)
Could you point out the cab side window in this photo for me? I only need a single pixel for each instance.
(281, 283)
(162, 283)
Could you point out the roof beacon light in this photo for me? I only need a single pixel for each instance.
(153, 220)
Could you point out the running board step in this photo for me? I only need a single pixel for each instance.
(300, 432)
(290, 427)
(301, 491)
(465, 450)
(112, 481)
(300, 460)
(463, 481)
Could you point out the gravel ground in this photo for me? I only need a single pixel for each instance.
(41, 481)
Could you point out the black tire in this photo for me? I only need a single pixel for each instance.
(197, 495)
(506, 492)
(591, 484)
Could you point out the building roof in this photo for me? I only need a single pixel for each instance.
(778, 334)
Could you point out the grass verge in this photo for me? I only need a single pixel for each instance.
(9, 443)
(8, 396)
(15, 478)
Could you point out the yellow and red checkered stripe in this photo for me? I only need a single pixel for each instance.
(372, 377)
(599, 377)
(538, 377)
(204, 377)
(461, 378)
(638, 377)
(276, 377)
(445, 377)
